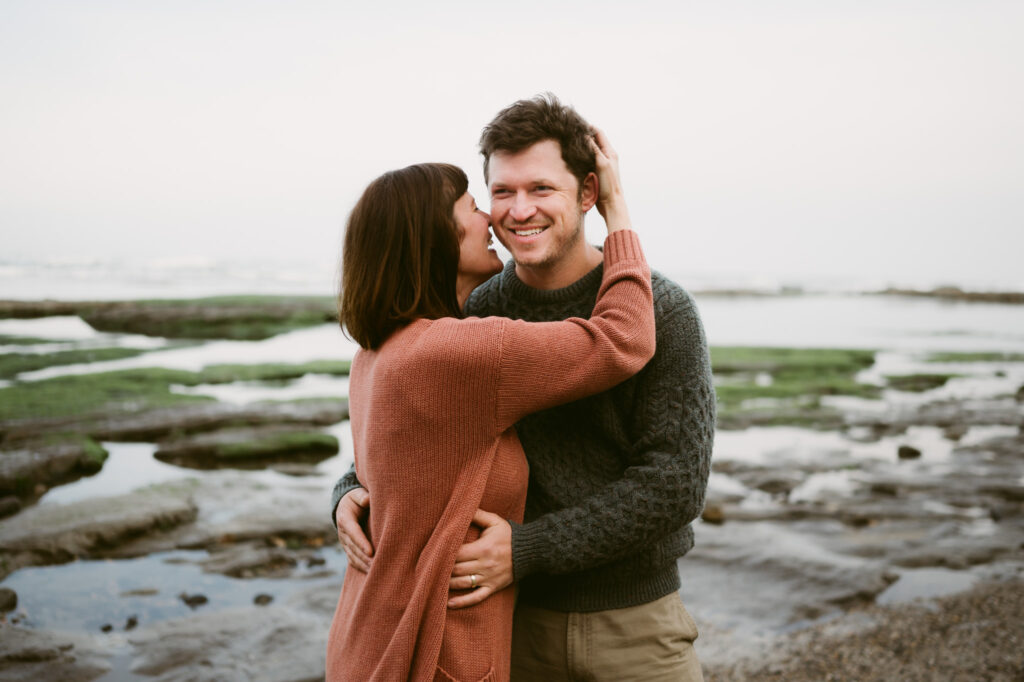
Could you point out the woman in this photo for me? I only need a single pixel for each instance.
(433, 401)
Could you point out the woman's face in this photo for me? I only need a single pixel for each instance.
(477, 261)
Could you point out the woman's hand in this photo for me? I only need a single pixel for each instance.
(611, 202)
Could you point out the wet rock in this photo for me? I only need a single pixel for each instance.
(8, 599)
(713, 514)
(1007, 490)
(262, 599)
(918, 383)
(33, 463)
(250, 561)
(955, 432)
(235, 510)
(958, 294)
(107, 627)
(864, 512)
(42, 656)
(239, 445)
(942, 414)
(805, 415)
(958, 552)
(27, 310)
(1019, 395)
(154, 425)
(9, 506)
(774, 482)
(774, 512)
(193, 601)
(257, 644)
(228, 318)
(908, 452)
(294, 469)
(1005, 448)
(774, 576)
(55, 534)
(131, 623)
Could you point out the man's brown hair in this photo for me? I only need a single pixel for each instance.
(400, 257)
(529, 121)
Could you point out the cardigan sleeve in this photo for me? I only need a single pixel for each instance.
(543, 364)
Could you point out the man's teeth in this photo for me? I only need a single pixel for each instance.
(530, 232)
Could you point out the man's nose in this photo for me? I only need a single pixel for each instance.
(522, 208)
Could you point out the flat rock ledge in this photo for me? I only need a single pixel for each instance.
(47, 464)
(57, 534)
(154, 425)
(277, 643)
(44, 656)
(241, 444)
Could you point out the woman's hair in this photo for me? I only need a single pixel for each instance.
(400, 257)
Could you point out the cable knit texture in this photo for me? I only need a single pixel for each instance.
(617, 478)
(432, 415)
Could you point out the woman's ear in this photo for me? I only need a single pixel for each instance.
(589, 193)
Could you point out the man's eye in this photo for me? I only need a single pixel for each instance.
(542, 188)
(499, 193)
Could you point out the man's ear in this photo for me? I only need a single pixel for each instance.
(589, 193)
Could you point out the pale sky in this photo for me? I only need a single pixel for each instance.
(874, 140)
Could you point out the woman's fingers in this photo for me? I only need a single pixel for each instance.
(470, 598)
(605, 147)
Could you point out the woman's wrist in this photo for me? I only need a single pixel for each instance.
(617, 218)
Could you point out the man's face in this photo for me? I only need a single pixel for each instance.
(536, 207)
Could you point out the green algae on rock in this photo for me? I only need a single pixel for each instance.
(775, 386)
(12, 364)
(918, 383)
(244, 444)
(217, 317)
(48, 461)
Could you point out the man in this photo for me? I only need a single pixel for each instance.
(615, 479)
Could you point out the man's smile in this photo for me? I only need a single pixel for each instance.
(528, 231)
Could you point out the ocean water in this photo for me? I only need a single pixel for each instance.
(833, 314)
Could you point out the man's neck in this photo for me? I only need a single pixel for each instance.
(559, 275)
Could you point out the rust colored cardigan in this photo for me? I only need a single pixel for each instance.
(432, 413)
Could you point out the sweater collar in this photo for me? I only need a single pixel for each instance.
(516, 289)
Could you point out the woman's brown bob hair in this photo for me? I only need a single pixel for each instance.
(400, 258)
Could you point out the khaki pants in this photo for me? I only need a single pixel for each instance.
(650, 642)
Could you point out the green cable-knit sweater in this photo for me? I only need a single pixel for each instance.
(615, 479)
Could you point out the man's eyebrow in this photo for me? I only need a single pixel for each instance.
(535, 181)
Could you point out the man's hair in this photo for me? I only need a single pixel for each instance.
(400, 256)
(529, 121)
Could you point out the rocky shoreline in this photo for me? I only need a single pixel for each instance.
(975, 635)
(958, 294)
(844, 484)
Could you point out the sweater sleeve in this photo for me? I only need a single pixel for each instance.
(543, 364)
(663, 488)
(347, 483)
